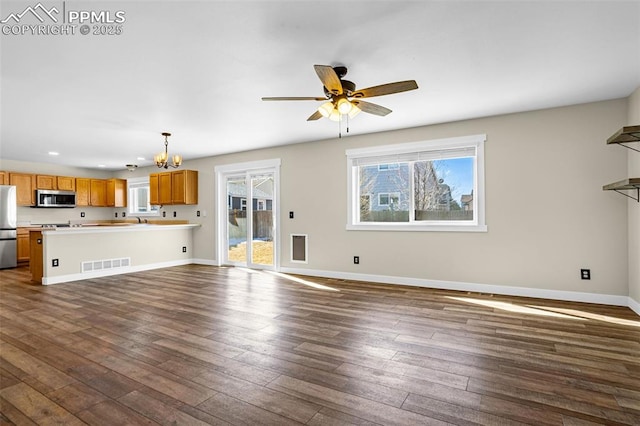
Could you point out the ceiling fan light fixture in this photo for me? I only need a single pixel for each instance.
(354, 111)
(344, 106)
(326, 109)
(335, 115)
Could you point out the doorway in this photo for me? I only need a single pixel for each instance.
(247, 215)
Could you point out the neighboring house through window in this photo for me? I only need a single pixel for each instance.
(430, 186)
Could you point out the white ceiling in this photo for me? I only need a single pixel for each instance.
(198, 70)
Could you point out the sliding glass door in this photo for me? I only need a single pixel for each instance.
(250, 219)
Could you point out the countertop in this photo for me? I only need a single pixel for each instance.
(115, 227)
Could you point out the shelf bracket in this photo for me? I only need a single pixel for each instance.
(636, 198)
(627, 146)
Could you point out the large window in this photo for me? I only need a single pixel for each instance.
(139, 198)
(434, 185)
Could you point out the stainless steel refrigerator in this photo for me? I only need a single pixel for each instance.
(8, 220)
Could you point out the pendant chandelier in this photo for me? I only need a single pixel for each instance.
(162, 159)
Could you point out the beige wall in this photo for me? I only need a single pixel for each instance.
(634, 207)
(546, 212)
(547, 215)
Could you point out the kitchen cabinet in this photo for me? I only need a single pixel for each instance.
(184, 187)
(66, 183)
(164, 188)
(36, 265)
(98, 193)
(4, 178)
(23, 251)
(25, 188)
(154, 185)
(83, 191)
(160, 188)
(177, 187)
(117, 193)
(46, 182)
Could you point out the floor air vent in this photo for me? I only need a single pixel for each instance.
(99, 265)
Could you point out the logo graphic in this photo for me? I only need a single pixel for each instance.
(50, 22)
(33, 11)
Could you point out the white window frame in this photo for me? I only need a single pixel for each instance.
(139, 181)
(386, 154)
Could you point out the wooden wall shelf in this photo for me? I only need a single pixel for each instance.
(632, 184)
(627, 134)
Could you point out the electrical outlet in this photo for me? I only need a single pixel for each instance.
(55, 263)
(175, 214)
(585, 274)
(356, 260)
(184, 249)
(198, 213)
(164, 214)
(124, 214)
(81, 214)
(290, 215)
(116, 214)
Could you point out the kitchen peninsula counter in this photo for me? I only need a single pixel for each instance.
(95, 250)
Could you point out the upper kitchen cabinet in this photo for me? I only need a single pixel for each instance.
(4, 178)
(154, 186)
(177, 187)
(98, 193)
(184, 187)
(83, 191)
(164, 188)
(62, 183)
(117, 193)
(46, 182)
(66, 183)
(25, 188)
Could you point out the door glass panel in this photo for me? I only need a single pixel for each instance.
(237, 220)
(262, 219)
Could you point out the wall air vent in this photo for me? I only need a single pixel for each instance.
(299, 248)
(99, 265)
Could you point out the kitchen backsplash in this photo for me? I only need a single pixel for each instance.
(31, 216)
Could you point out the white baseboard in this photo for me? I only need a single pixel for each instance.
(208, 262)
(634, 305)
(114, 271)
(573, 296)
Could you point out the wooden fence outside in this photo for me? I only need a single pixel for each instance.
(403, 216)
(262, 224)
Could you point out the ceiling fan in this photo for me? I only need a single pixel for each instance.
(341, 96)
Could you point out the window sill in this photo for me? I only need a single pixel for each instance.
(418, 227)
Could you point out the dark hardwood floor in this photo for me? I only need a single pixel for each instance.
(205, 345)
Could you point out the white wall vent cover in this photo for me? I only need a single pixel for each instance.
(98, 265)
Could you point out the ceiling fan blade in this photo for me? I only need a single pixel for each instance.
(329, 78)
(315, 116)
(386, 89)
(372, 108)
(292, 98)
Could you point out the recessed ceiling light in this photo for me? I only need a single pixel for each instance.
(101, 165)
(140, 158)
(54, 153)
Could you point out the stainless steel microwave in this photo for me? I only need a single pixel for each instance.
(49, 198)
